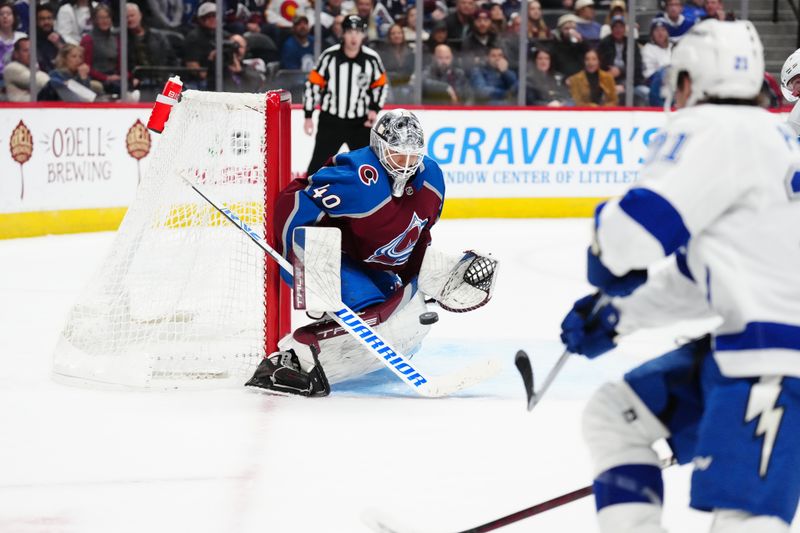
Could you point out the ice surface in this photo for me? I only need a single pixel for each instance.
(234, 460)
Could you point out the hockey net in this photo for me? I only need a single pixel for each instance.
(184, 298)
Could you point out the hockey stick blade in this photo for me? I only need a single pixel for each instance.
(523, 364)
(468, 377)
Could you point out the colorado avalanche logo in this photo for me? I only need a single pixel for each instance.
(399, 249)
(368, 174)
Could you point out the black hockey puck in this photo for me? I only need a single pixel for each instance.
(428, 318)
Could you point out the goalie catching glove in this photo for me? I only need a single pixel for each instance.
(459, 283)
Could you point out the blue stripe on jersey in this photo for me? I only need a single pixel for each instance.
(656, 215)
(597, 211)
(629, 484)
(683, 265)
(305, 213)
(760, 335)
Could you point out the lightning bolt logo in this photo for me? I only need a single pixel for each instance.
(763, 397)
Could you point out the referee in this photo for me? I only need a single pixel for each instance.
(350, 82)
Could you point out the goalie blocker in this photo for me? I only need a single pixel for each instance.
(320, 354)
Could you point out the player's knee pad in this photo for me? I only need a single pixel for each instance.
(619, 429)
(343, 357)
(731, 521)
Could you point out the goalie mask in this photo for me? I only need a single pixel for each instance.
(398, 142)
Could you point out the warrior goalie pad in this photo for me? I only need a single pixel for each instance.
(460, 283)
(342, 356)
(317, 266)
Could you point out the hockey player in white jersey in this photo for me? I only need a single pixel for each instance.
(790, 87)
(717, 216)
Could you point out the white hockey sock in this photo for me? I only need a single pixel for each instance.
(731, 521)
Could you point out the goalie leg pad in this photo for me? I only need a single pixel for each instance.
(460, 283)
(342, 356)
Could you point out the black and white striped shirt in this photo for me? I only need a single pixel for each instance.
(347, 88)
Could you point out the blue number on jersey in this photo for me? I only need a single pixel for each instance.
(676, 143)
(793, 184)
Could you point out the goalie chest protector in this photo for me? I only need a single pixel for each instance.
(354, 194)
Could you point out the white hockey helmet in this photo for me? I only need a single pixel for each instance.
(723, 59)
(398, 142)
(790, 70)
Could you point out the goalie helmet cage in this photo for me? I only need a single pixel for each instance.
(184, 299)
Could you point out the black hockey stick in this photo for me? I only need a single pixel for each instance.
(382, 524)
(523, 364)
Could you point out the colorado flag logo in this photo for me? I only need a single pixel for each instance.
(399, 249)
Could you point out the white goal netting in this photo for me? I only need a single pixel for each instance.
(180, 299)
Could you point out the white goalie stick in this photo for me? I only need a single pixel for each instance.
(399, 364)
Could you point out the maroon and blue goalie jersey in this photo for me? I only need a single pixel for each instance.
(354, 194)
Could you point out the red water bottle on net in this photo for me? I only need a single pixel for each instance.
(164, 102)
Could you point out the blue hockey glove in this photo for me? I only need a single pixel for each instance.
(589, 331)
(602, 278)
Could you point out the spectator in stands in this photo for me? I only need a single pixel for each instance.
(694, 11)
(592, 86)
(69, 81)
(22, 12)
(334, 34)
(200, 42)
(146, 48)
(613, 53)
(498, 18)
(494, 83)
(101, 50)
(568, 47)
(715, 10)
(8, 36)
(410, 28)
(332, 8)
(460, 21)
(478, 41)
(512, 6)
(73, 20)
(617, 8)
(544, 86)
(237, 75)
(48, 42)
(165, 14)
(537, 27)
(297, 52)
(17, 76)
(377, 17)
(657, 52)
(677, 23)
(508, 40)
(587, 26)
(438, 36)
(443, 82)
(398, 60)
(655, 98)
